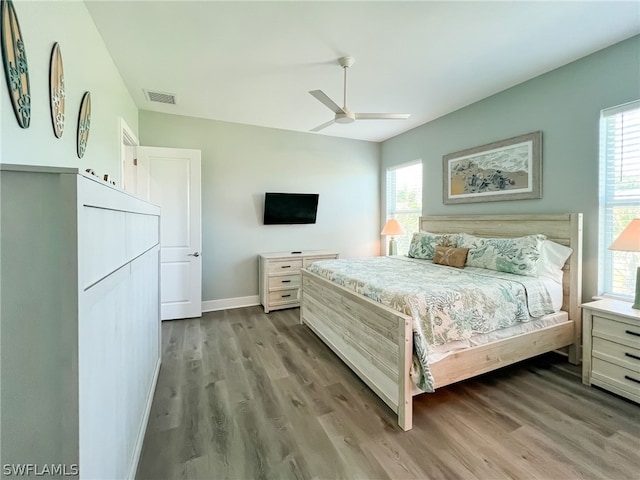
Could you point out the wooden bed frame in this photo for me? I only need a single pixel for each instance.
(377, 341)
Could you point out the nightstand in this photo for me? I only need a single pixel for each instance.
(611, 347)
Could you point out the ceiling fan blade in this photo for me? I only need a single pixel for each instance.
(324, 125)
(320, 95)
(382, 116)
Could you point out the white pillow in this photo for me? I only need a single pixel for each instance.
(552, 259)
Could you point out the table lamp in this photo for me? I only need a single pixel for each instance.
(392, 227)
(629, 241)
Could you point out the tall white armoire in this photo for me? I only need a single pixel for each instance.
(79, 321)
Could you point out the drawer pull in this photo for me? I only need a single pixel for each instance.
(631, 355)
(285, 296)
(635, 334)
(631, 378)
(285, 266)
(286, 281)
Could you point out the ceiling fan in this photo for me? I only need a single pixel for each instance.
(344, 115)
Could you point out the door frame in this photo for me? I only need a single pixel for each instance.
(127, 139)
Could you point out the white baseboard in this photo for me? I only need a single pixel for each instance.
(137, 449)
(227, 303)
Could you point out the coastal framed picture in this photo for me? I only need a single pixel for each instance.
(506, 170)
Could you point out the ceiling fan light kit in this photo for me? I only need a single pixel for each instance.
(343, 114)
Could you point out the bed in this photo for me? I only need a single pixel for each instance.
(377, 341)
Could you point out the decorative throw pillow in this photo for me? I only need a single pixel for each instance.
(511, 255)
(450, 256)
(423, 244)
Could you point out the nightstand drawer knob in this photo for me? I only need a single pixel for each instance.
(285, 296)
(635, 334)
(631, 378)
(631, 355)
(286, 281)
(285, 266)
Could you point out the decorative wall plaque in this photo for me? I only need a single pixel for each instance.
(15, 63)
(56, 91)
(84, 123)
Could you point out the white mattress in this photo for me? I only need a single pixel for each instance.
(442, 351)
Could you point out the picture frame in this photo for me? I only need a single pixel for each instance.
(509, 169)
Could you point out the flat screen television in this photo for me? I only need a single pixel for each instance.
(290, 208)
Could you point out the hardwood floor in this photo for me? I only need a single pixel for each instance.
(244, 395)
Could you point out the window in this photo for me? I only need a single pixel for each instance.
(619, 195)
(404, 200)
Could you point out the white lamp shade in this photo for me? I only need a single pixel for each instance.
(629, 239)
(392, 227)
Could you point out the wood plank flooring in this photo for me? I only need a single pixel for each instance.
(244, 395)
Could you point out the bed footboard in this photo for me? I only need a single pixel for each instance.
(375, 341)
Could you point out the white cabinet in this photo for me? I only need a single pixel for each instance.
(611, 353)
(280, 276)
(80, 342)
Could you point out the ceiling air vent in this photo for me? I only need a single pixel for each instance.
(160, 97)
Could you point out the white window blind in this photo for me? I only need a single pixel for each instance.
(404, 200)
(619, 195)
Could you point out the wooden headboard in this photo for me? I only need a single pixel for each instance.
(565, 229)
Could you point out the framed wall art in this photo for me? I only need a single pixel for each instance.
(506, 170)
(84, 124)
(57, 95)
(14, 58)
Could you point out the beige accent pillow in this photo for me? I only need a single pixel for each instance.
(450, 256)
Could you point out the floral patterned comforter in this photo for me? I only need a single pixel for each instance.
(446, 303)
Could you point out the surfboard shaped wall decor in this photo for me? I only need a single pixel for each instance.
(14, 58)
(84, 123)
(57, 93)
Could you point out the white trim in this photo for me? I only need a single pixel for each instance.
(405, 164)
(127, 139)
(137, 449)
(227, 303)
(607, 112)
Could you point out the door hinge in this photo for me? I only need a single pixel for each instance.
(135, 162)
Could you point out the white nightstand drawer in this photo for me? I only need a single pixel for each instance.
(617, 376)
(615, 331)
(284, 296)
(284, 266)
(622, 355)
(284, 281)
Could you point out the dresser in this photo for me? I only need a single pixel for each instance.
(611, 347)
(280, 278)
(79, 264)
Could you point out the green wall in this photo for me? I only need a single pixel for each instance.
(565, 105)
(239, 164)
(87, 67)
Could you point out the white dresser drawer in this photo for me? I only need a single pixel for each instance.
(309, 260)
(284, 281)
(284, 266)
(615, 331)
(619, 377)
(284, 296)
(622, 355)
(280, 276)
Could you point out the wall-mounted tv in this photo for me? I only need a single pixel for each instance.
(290, 208)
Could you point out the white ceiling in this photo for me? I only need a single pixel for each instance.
(255, 62)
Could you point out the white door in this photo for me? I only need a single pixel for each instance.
(170, 178)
